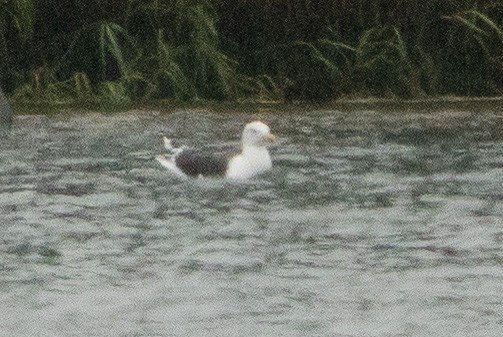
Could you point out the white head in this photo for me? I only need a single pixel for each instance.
(257, 134)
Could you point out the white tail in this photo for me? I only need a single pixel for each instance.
(170, 165)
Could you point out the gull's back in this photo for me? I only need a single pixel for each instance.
(195, 163)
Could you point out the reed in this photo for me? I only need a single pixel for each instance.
(130, 51)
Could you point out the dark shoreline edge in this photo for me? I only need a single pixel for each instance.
(6, 114)
(472, 104)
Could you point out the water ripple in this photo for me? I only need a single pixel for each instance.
(370, 223)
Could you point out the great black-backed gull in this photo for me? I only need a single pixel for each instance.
(253, 159)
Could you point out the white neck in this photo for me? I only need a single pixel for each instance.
(252, 149)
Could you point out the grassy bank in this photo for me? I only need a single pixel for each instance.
(133, 52)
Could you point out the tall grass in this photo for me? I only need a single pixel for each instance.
(124, 51)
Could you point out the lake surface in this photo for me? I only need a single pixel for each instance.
(370, 224)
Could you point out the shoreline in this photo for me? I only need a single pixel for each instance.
(425, 105)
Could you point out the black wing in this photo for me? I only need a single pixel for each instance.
(195, 163)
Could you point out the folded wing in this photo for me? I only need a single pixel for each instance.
(195, 163)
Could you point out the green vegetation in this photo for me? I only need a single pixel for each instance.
(117, 52)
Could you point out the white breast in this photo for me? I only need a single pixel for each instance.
(251, 162)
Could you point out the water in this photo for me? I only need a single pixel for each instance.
(370, 224)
